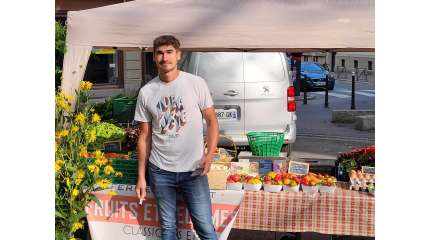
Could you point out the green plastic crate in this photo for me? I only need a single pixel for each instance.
(127, 167)
(266, 144)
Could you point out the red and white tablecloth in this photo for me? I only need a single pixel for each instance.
(343, 212)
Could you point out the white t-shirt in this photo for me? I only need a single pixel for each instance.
(174, 109)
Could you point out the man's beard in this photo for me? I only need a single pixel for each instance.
(164, 70)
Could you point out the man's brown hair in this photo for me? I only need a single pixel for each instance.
(166, 40)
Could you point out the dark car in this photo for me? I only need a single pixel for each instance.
(314, 75)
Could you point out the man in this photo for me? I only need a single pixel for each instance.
(170, 147)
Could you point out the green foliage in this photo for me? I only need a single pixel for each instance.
(357, 158)
(108, 131)
(60, 49)
(105, 109)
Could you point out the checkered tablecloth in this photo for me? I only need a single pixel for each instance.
(343, 212)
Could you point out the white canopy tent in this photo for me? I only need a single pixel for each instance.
(222, 25)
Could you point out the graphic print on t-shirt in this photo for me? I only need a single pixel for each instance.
(171, 115)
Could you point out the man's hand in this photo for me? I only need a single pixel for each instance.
(141, 189)
(212, 138)
(206, 163)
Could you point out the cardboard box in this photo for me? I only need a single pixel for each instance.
(217, 176)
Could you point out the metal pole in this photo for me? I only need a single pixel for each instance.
(305, 91)
(353, 90)
(333, 61)
(326, 92)
(296, 57)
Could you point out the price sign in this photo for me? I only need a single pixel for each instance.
(112, 146)
(298, 168)
(367, 169)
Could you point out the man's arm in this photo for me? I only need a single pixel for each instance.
(143, 151)
(212, 138)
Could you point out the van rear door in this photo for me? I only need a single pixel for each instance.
(223, 72)
(266, 83)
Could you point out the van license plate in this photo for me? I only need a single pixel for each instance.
(320, 83)
(222, 114)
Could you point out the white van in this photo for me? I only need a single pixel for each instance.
(251, 92)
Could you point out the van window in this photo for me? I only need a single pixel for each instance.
(264, 67)
(221, 66)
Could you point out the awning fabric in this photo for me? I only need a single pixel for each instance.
(222, 25)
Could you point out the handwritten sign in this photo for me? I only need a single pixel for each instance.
(298, 168)
(112, 146)
(367, 169)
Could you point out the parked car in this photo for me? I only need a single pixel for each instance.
(251, 92)
(314, 75)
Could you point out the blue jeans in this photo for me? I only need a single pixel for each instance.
(195, 191)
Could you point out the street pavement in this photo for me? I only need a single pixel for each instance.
(317, 136)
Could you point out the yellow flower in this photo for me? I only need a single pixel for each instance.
(85, 85)
(61, 134)
(62, 102)
(92, 136)
(78, 181)
(98, 154)
(75, 192)
(82, 150)
(108, 170)
(68, 182)
(112, 193)
(118, 174)
(72, 238)
(80, 173)
(74, 129)
(76, 226)
(103, 183)
(58, 164)
(94, 168)
(80, 119)
(101, 161)
(95, 118)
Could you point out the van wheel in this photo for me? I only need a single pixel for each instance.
(288, 148)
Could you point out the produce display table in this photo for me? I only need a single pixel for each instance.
(343, 212)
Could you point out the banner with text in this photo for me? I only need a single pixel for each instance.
(120, 217)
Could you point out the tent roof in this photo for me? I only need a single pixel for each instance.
(228, 25)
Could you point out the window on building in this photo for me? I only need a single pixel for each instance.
(355, 63)
(315, 58)
(105, 68)
(306, 58)
(369, 66)
(343, 62)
